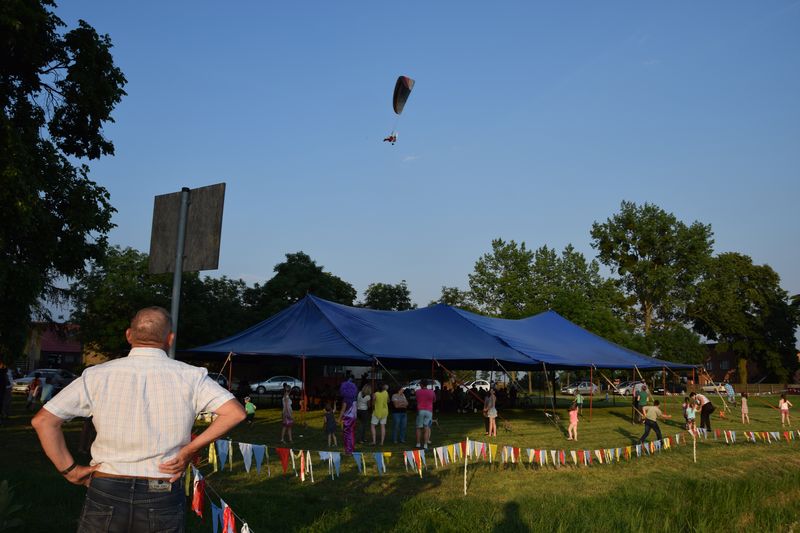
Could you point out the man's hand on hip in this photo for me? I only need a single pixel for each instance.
(81, 475)
(177, 465)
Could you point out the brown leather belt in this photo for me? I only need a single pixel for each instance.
(117, 476)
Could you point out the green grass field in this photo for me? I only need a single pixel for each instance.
(740, 487)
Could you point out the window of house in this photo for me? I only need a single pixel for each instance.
(724, 365)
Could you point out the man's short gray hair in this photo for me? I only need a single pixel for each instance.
(151, 325)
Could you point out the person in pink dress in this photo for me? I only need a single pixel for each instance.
(572, 429)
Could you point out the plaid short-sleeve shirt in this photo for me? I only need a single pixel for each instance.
(143, 407)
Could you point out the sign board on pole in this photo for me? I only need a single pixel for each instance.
(203, 230)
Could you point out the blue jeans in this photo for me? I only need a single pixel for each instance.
(399, 422)
(133, 505)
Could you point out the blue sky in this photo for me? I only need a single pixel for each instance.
(529, 121)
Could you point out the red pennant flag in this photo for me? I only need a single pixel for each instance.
(516, 454)
(228, 523)
(463, 448)
(283, 453)
(199, 497)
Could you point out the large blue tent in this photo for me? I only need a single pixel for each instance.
(318, 329)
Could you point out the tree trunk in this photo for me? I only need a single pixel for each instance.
(742, 368)
(647, 309)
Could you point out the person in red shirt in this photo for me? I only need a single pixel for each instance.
(425, 399)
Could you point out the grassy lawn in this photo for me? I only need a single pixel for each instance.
(743, 486)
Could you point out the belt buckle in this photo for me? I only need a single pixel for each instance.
(158, 485)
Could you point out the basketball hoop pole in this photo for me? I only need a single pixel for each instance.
(177, 276)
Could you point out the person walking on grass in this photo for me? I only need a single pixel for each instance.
(579, 401)
(143, 406)
(490, 412)
(784, 405)
(745, 409)
(380, 412)
(651, 415)
(572, 429)
(287, 421)
(250, 409)
(330, 424)
(425, 399)
(399, 416)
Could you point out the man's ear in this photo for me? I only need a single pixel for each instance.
(170, 339)
(129, 336)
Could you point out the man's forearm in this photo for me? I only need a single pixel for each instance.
(225, 421)
(48, 428)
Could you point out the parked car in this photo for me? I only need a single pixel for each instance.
(714, 388)
(61, 378)
(672, 388)
(414, 385)
(480, 384)
(584, 387)
(626, 388)
(219, 378)
(275, 384)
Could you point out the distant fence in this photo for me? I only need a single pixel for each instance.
(754, 388)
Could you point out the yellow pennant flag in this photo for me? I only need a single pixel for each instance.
(492, 452)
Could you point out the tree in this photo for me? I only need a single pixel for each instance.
(657, 257)
(388, 297)
(501, 281)
(514, 282)
(114, 288)
(294, 278)
(742, 307)
(455, 297)
(57, 90)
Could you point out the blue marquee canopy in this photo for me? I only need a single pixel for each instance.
(318, 329)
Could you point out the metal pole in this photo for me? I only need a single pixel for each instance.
(177, 275)
(591, 390)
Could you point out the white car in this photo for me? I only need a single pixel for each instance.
(414, 385)
(61, 378)
(714, 388)
(584, 387)
(275, 384)
(480, 384)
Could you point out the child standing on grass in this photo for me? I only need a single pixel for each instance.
(286, 415)
(250, 409)
(579, 401)
(784, 405)
(572, 429)
(690, 412)
(745, 410)
(491, 412)
(330, 424)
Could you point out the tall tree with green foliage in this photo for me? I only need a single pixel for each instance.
(113, 289)
(743, 307)
(455, 297)
(57, 90)
(294, 278)
(388, 297)
(657, 257)
(501, 284)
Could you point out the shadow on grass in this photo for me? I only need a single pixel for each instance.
(511, 519)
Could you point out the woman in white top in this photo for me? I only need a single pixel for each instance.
(362, 406)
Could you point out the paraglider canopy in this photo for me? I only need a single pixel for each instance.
(401, 91)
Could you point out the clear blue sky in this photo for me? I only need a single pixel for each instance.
(529, 121)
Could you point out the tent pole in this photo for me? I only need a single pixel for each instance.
(664, 386)
(591, 390)
(230, 373)
(303, 389)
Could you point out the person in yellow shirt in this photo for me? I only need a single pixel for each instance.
(380, 412)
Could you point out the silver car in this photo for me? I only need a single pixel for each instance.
(275, 384)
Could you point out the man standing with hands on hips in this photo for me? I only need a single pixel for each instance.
(143, 406)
